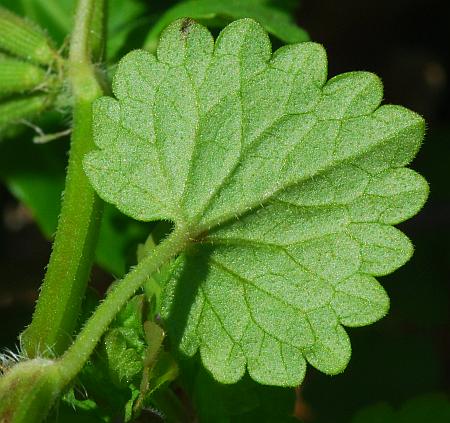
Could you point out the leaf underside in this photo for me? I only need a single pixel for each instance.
(289, 183)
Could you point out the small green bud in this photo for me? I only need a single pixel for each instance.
(28, 390)
(24, 39)
(17, 76)
(12, 111)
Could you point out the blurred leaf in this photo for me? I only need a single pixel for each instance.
(406, 365)
(243, 402)
(123, 18)
(35, 176)
(56, 17)
(159, 367)
(112, 376)
(129, 365)
(118, 238)
(432, 408)
(218, 13)
(71, 410)
(53, 15)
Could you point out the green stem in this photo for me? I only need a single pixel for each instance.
(76, 356)
(65, 282)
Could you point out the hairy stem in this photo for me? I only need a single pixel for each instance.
(65, 282)
(76, 356)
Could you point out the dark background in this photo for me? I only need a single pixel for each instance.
(408, 353)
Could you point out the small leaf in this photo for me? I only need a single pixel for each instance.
(124, 363)
(284, 184)
(275, 21)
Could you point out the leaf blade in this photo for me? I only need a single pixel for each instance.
(286, 184)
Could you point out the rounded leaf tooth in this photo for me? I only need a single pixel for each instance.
(181, 311)
(331, 352)
(274, 316)
(137, 200)
(394, 131)
(225, 295)
(199, 50)
(383, 248)
(270, 361)
(305, 65)
(137, 77)
(394, 134)
(391, 197)
(359, 301)
(350, 95)
(220, 353)
(248, 41)
(226, 363)
(186, 43)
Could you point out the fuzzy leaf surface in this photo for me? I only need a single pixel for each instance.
(288, 186)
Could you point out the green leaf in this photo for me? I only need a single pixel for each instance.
(220, 12)
(112, 376)
(286, 185)
(123, 361)
(124, 16)
(117, 241)
(72, 410)
(245, 401)
(54, 15)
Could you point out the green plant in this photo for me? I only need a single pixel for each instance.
(282, 189)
